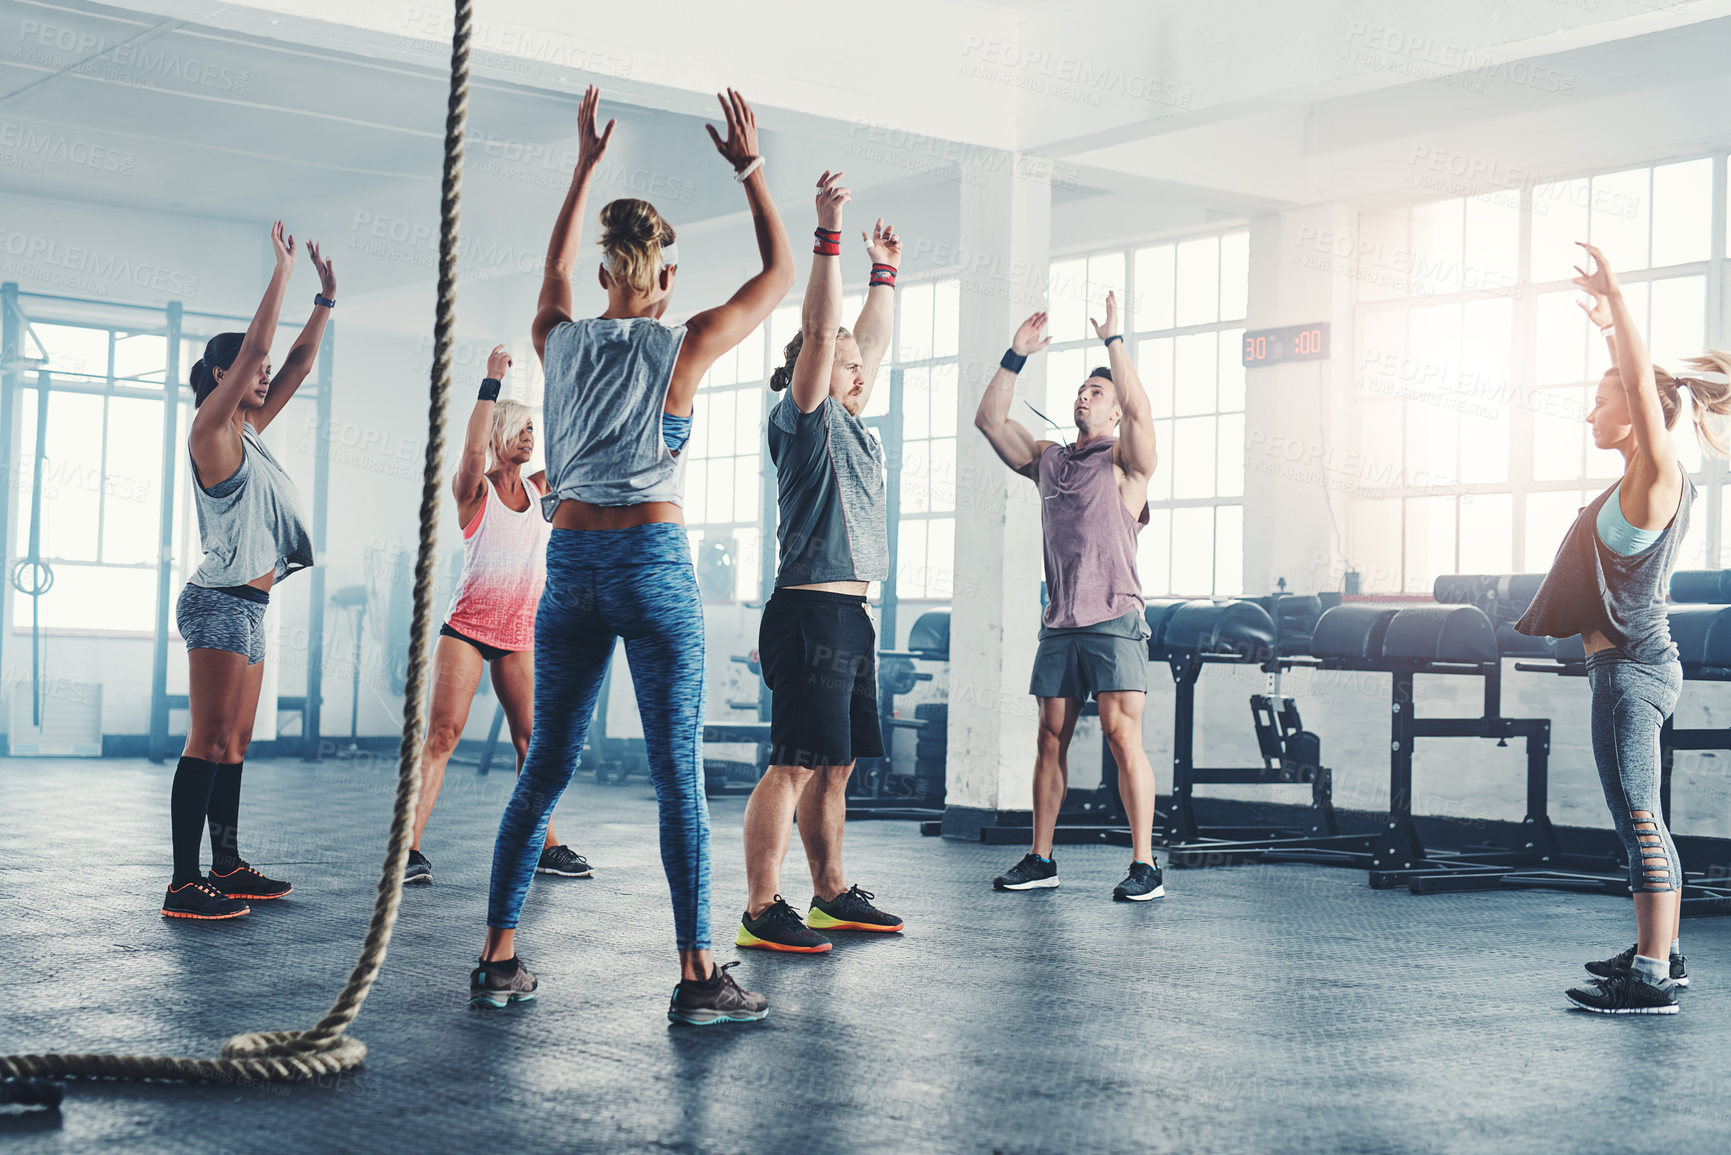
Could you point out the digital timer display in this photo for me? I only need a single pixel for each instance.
(1293, 343)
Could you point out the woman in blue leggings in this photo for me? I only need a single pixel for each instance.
(1608, 584)
(620, 389)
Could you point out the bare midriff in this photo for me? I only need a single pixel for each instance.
(852, 589)
(263, 583)
(580, 515)
(1593, 641)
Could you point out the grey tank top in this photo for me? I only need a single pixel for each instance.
(250, 523)
(829, 473)
(607, 384)
(1591, 587)
(1090, 538)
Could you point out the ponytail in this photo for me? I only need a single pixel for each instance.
(219, 353)
(1709, 397)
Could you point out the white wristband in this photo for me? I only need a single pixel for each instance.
(756, 163)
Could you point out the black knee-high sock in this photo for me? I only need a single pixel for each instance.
(225, 818)
(188, 802)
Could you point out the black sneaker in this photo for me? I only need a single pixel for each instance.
(1622, 963)
(245, 882)
(721, 1000)
(851, 910)
(563, 861)
(199, 899)
(1032, 873)
(1145, 882)
(419, 872)
(492, 985)
(1626, 994)
(779, 928)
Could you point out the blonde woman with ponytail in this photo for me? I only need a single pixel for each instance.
(1608, 584)
(491, 622)
(617, 410)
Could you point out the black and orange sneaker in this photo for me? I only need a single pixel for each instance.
(245, 882)
(199, 899)
(851, 910)
(720, 1000)
(779, 928)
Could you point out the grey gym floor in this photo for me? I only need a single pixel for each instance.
(1258, 1008)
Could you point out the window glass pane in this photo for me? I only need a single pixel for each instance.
(1155, 298)
(1560, 343)
(1618, 223)
(1682, 212)
(783, 324)
(725, 371)
(1679, 312)
(940, 557)
(722, 410)
(916, 327)
(747, 564)
(916, 477)
(1683, 435)
(1559, 433)
(143, 357)
(751, 354)
(1154, 366)
(1432, 436)
(1064, 376)
(1487, 533)
(1067, 300)
(88, 597)
(1381, 442)
(1559, 220)
(946, 317)
(73, 350)
(1231, 455)
(1437, 246)
(1105, 274)
(1383, 361)
(1493, 243)
(916, 404)
(1199, 281)
(851, 304)
(1228, 550)
(1234, 276)
(878, 400)
(1153, 554)
(1375, 550)
(1198, 361)
(1486, 330)
(943, 387)
(943, 471)
(1433, 341)
(1549, 516)
(747, 490)
(1193, 449)
(1484, 445)
(1193, 565)
(911, 558)
(1231, 370)
(131, 514)
(748, 432)
(1160, 485)
(71, 473)
(1430, 542)
(1382, 237)
(719, 505)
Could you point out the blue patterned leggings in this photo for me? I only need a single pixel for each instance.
(637, 584)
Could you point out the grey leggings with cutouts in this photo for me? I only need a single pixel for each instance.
(1631, 701)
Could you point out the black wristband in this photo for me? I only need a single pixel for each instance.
(490, 389)
(1112, 338)
(321, 299)
(1012, 360)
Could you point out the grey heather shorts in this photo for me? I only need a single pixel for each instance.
(1077, 663)
(214, 619)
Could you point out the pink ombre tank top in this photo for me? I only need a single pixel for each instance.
(1090, 538)
(504, 568)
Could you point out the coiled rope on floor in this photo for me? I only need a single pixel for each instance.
(325, 1048)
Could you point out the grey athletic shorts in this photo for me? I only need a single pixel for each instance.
(1077, 663)
(215, 619)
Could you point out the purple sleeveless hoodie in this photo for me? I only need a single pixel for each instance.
(1090, 538)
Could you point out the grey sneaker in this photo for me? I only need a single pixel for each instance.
(419, 872)
(699, 1005)
(563, 861)
(1626, 994)
(491, 985)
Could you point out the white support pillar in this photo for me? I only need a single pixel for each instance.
(1004, 253)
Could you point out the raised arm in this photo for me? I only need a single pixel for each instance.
(1015, 446)
(554, 306)
(713, 332)
(469, 486)
(215, 449)
(1135, 449)
(820, 315)
(876, 324)
(1655, 448)
(305, 350)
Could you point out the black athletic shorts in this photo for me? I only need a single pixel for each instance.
(819, 656)
(488, 653)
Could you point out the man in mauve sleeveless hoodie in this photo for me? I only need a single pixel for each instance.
(1093, 633)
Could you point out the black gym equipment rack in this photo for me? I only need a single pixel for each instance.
(876, 791)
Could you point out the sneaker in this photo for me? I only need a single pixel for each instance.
(563, 861)
(419, 871)
(779, 928)
(1626, 994)
(1621, 963)
(1032, 873)
(491, 985)
(700, 1004)
(245, 882)
(1144, 882)
(851, 910)
(199, 899)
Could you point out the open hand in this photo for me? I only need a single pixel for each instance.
(1598, 309)
(326, 270)
(498, 363)
(590, 143)
(1028, 339)
(740, 147)
(883, 246)
(282, 243)
(1601, 282)
(1108, 327)
(831, 195)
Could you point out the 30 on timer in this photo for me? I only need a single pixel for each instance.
(1293, 343)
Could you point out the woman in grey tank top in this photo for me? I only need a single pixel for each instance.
(620, 389)
(1608, 584)
(254, 535)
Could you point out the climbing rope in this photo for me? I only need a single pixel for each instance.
(324, 1049)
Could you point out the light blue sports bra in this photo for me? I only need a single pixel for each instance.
(1615, 531)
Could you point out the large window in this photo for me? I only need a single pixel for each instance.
(1183, 305)
(1473, 449)
(724, 483)
(920, 377)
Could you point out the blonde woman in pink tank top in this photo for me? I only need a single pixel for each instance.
(491, 621)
